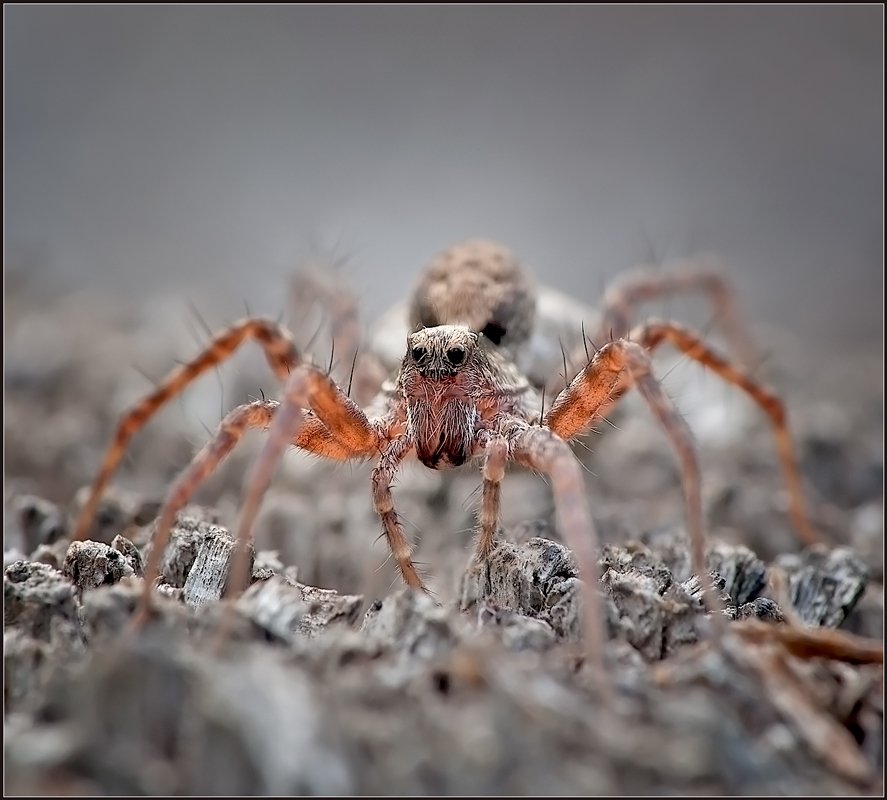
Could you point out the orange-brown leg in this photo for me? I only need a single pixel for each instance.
(344, 432)
(311, 434)
(323, 287)
(230, 431)
(654, 334)
(544, 451)
(594, 387)
(279, 350)
(358, 369)
(383, 503)
(623, 297)
(645, 284)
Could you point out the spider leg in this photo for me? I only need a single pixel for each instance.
(230, 431)
(360, 370)
(312, 435)
(383, 503)
(323, 286)
(645, 284)
(344, 432)
(494, 471)
(279, 350)
(593, 389)
(651, 335)
(598, 385)
(544, 451)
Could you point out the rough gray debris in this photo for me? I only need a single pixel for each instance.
(266, 564)
(654, 621)
(192, 526)
(275, 605)
(518, 632)
(519, 577)
(42, 633)
(28, 664)
(824, 585)
(51, 554)
(92, 564)
(208, 576)
(40, 602)
(744, 575)
(412, 623)
(163, 714)
(645, 605)
(119, 512)
(867, 616)
(35, 521)
(12, 555)
(762, 608)
(289, 610)
(420, 698)
(130, 554)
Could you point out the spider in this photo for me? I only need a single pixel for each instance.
(460, 395)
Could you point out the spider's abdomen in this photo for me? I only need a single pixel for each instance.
(444, 435)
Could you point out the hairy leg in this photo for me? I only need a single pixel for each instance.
(227, 435)
(383, 503)
(312, 436)
(596, 386)
(654, 334)
(340, 429)
(645, 284)
(279, 350)
(494, 471)
(359, 369)
(543, 451)
(631, 290)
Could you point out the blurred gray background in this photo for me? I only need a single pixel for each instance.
(205, 151)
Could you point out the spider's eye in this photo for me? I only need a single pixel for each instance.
(456, 355)
(494, 332)
(417, 353)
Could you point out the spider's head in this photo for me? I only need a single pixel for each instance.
(441, 352)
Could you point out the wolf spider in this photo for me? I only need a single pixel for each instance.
(458, 396)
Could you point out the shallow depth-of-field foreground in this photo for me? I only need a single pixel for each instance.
(334, 679)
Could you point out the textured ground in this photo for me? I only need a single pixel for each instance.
(365, 688)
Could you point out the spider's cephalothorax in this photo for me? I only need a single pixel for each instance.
(458, 395)
(453, 383)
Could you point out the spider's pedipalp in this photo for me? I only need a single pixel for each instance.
(280, 352)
